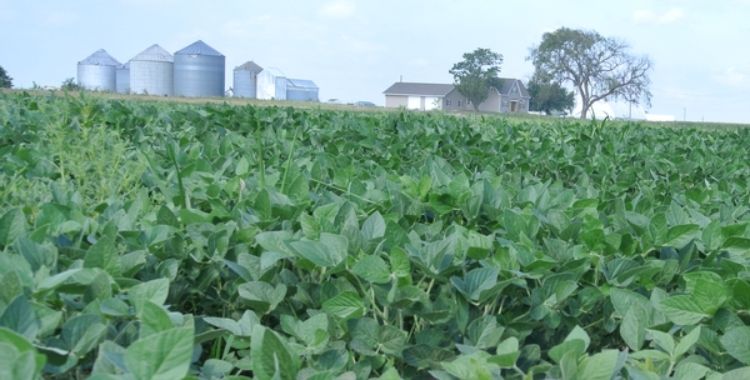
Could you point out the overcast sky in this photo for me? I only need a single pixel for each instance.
(354, 49)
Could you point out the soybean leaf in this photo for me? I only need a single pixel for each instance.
(164, 355)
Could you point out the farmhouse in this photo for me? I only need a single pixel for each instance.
(507, 95)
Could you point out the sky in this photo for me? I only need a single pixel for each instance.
(355, 49)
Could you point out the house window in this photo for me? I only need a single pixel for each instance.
(447, 102)
(459, 103)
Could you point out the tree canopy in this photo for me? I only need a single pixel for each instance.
(548, 96)
(5, 80)
(476, 73)
(598, 67)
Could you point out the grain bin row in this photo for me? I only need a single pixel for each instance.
(198, 70)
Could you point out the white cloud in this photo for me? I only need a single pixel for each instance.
(337, 9)
(648, 16)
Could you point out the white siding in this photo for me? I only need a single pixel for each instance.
(433, 103)
(414, 103)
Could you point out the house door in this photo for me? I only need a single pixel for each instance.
(513, 106)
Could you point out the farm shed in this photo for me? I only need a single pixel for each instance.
(301, 90)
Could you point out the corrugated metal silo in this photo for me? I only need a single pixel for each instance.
(302, 90)
(122, 79)
(198, 71)
(271, 84)
(245, 80)
(97, 71)
(152, 72)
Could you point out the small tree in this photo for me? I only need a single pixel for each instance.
(476, 73)
(5, 80)
(70, 84)
(598, 67)
(547, 95)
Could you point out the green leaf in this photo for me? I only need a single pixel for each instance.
(329, 252)
(344, 306)
(271, 358)
(153, 319)
(737, 343)
(601, 366)
(275, 241)
(506, 353)
(155, 291)
(242, 328)
(18, 358)
(476, 281)
(103, 255)
(82, 333)
(690, 371)
(12, 226)
(663, 341)
(20, 317)
(374, 227)
(372, 269)
(737, 374)
(680, 236)
(683, 310)
(162, 356)
(634, 325)
(687, 342)
(262, 296)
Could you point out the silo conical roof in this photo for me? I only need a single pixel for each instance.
(198, 48)
(154, 53)
(249, 66)
(100, 58)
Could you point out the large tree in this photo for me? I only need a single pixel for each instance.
(476, 74)
(548, 96)
(5, 80)
(598, 67)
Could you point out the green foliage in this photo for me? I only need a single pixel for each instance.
(5, 80)
(70, 84)
(475, 75)
(597, 67)
(145, 240)
(548, 96)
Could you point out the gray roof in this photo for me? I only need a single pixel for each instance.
(301, 83)
(198, 48)
(100, 58)
(504, 85)
(154, 53)
(249, 66)
(425, 89)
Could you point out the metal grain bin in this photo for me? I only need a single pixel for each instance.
(152, 72)
(301, 90)
(97, 71)
(122, 79)
(198, 71)
(246, 80)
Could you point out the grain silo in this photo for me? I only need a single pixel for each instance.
(122, 79)
(151, 72)
(271, 84)
(301, 90)
(246, 79)
(97, 71)
(198, 71)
